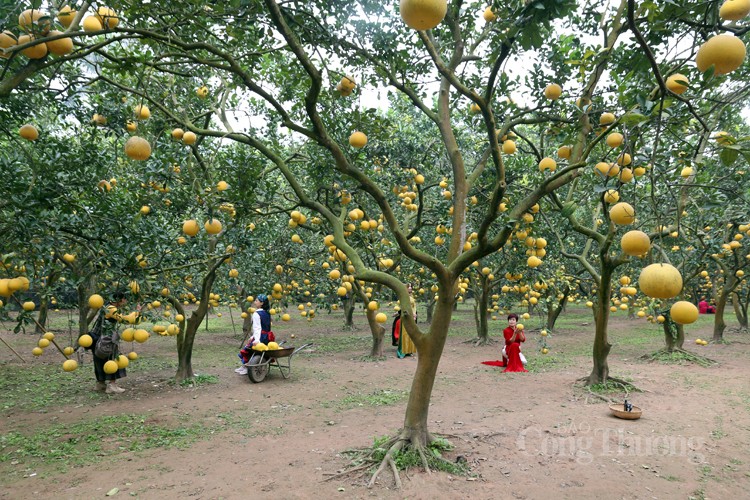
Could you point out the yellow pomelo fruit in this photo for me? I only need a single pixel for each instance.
(70, 365)
(61, 46)
(684, 312)
(564, 152)
(635, 243)
(552, 91)
(273, 346)
(678, 83)
(189, 138)
(85, 340)
(29, 132)
(138, 148)
(606, 119)
(660, 281)
(111, 367)
(622, 214)
(132, 356)
(725, 52)
(285, 317)
(68, 351)
(142, 112)
(37, 351)
(734, 10)
(91, 23)
(128, 334)
(381, 317)
(509, 147)
(28, 17)
(37, 51)
(423, 14)
(107, 16)
(614, 139)
(190, 227)
(122, 361)
(358, 140)
(7, 39)
(66, 15)
(177, 134)
(29, 306)
(547, 163)
(213, 226)
(489, 15)
(96, 301)
(611, 196)
(141, 336)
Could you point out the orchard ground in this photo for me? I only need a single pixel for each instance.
(522, 434)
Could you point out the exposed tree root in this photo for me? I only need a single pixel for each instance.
(399, 453)
(368, 357)
(478, 342)
(626, 387)
(677, 355)
(398, 445)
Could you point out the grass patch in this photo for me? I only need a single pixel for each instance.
(199, 380)
(335, 344)
(86, 442)
(613, 388)
(377, 398)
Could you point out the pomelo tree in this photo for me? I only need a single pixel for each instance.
(283, 81)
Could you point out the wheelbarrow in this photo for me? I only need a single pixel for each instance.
(260, 362)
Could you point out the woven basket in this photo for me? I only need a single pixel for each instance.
(618, 411)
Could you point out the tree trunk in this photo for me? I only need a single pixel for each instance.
(600, 370)
(376, 329)
(482, 303)
(430, 309)
(41, 321)
(378, 333)
(429, 350)
(554, 312)
(186, 338)
(719, 325)
(349, 303)
(740, 310)
(674, 334)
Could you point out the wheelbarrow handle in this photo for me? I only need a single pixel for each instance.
(302, 347)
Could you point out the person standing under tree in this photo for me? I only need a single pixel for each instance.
(107, 382)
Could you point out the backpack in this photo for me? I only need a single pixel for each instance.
(107, 347)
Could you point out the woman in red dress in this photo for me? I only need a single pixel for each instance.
(513, 338)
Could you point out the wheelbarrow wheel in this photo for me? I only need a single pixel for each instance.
(257, 373)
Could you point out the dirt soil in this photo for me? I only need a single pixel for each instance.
(524, 435)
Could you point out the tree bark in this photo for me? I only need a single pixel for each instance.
(481, 304)
(186, 337)
(429, 351)
(600, 370)
(349, 303)
(674, 334)
(719, 324)
(430, 309)
(740, 310)
(554, 312)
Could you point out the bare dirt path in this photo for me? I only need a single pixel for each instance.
(524, 435)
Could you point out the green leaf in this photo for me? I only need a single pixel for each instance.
(728, 156)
